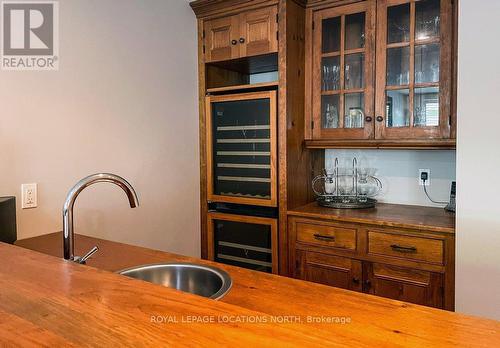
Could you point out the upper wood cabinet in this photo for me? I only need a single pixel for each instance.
(343, 62)
(221, 38)
(249, 33)
(400, 90)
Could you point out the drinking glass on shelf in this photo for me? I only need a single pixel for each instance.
(331, 116)
(330, 76)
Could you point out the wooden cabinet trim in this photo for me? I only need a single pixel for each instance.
(215, 9)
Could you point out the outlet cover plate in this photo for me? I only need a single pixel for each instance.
(428, 181)
(29, 196)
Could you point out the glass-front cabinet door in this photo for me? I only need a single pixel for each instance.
(241, 148)
(413, 79)
(343, 68)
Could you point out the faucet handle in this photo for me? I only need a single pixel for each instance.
(88, 255)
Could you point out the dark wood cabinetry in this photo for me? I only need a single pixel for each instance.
(245, 34)
(350, 74)
(398, 91)
(341, 272)
(404, 284)
(373, 252)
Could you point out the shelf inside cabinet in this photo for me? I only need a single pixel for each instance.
(263, 85)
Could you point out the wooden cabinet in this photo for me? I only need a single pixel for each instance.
(343, 67)
(413, 88)
(404, 284)
(398, 263)
(400, 90)
(341, 272)
(259, 32)
(249, 33)
(221, 38)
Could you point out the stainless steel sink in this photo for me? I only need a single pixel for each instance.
(196, 279)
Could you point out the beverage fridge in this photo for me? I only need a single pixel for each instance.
(242, 179)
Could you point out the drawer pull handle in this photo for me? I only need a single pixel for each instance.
(324, 238)
(403, 249)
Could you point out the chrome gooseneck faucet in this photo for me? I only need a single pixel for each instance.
(68, 229)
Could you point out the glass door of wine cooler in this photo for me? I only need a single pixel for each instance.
(243, 241)
(241, 148)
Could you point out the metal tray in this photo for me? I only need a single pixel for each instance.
(346, 202)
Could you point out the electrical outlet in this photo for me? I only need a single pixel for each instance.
(29, 196)
(420, 181)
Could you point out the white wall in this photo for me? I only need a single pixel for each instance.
(124, 101)
(478, 160)
(398, 171)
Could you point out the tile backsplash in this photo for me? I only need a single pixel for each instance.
(398, 171)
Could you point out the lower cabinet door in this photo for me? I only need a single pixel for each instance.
(340, 272)
(404, 284)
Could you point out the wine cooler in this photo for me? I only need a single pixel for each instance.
(241, 180)
(241, 148)
(244, 241)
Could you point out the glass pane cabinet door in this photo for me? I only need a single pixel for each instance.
(413, 93)
(343, 63)
(241, 148)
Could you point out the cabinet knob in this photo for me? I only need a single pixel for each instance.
(355, 280)
(380, 118)
(242, 40)
(234, 42)
(368, 118)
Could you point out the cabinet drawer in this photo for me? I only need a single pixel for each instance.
(324, 235)
(407, 247)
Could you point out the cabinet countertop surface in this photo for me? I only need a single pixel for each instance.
(49, 301)
(390, 215)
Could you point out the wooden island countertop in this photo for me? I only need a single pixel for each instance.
(48, 301)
